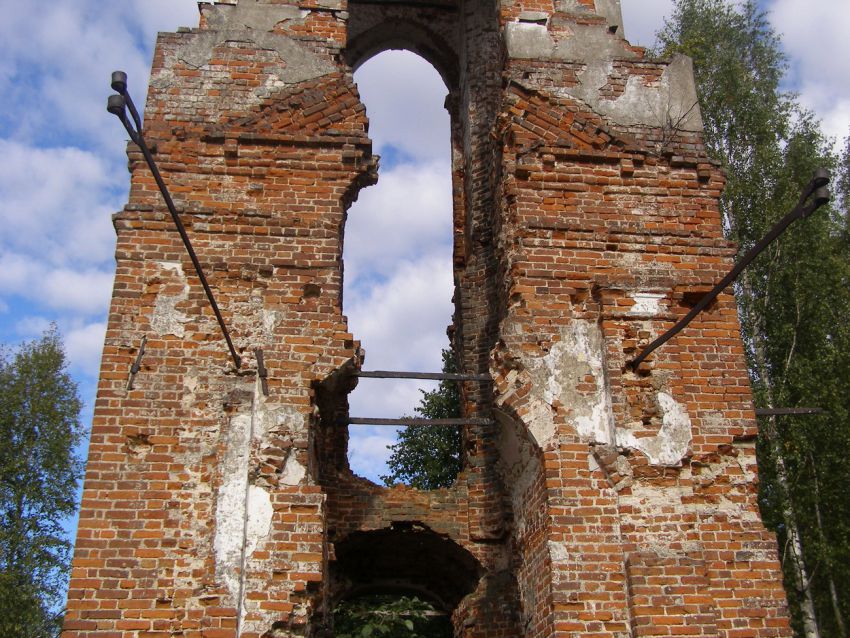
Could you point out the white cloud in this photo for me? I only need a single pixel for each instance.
(82, 291)
(85, 291)
(368, 450)
(814, 34)
(30, 327)
(406, 216)
(56, 202)
(84, 345)
(387, 397)
(404, 98)
(402, 326)
(58, 57)
(402, 323)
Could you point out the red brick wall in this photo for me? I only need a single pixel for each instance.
(600, 501)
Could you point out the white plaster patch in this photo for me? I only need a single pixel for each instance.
(190, 385)
(579, 355)
(557, 552)
(540, 422)
(528, 40)
(646, 303)
(270, 319)
(260, 513)
(672, 442)
(230, 507)
(293, 471)
(166, 319)
(555, 379)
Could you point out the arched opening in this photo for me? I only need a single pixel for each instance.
(399, 242)
(407, 570)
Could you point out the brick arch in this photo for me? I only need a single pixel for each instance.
(409, 34)
(405, 558)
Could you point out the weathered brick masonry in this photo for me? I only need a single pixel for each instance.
(600, 502)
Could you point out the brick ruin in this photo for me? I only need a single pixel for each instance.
(595, 500)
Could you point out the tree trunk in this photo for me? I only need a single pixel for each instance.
(798, 570)
(799, 573)
(833, 592)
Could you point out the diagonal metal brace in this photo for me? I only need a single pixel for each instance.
(118, 106)
(817, 187)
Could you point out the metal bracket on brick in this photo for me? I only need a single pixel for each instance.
(137, 364)
(118, 105)
(262, 372)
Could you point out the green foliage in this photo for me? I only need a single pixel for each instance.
(795, 298)
(39, 427)
(379, 615)
(429, 457)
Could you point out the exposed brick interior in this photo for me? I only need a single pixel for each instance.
(600, 501)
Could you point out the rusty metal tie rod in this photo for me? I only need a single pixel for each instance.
(817, 187)
(118, 106)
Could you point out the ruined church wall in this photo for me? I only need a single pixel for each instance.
(600, 501)
(610, 232)
(262, 158)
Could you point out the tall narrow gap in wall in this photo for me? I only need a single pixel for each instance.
(398, 283)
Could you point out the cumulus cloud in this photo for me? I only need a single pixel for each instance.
(368, 450)
(85, 291)
(815, 37)
(84, 345)
(58, 57)
(56, 202)
(402, 322)
(406, 216)
(404, 98)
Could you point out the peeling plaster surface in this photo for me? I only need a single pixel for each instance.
(672, 102)
(672, 442)
(244, 512)
(646, 303)
(649, 500)
(558, 552)
(259, 518)
(230, 508)
(555, 386)
(293, 471)
(166, 319)
(190, 387)
(252, 22)
(612, 12)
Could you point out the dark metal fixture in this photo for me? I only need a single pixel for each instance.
(137, 364)
(118, 106)
(262, 373)
(432, 376)
(417, 421)
(818, 188)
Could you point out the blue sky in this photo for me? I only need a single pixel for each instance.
(63, 173)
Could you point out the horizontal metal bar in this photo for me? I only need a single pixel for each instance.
(433, 376)
(415, 421)
(785, 411)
